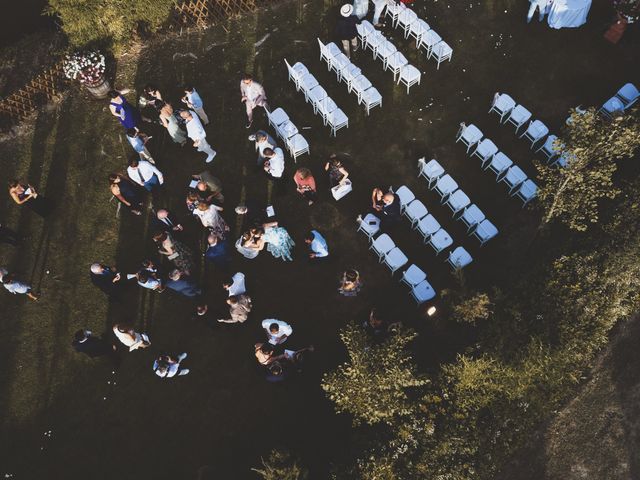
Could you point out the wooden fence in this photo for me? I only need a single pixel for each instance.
(49, 84)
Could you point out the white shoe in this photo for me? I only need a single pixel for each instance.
(211, 157)
(359, 219)
(252, 138)
(182, 356)
(184, 371)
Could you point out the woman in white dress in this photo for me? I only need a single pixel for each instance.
(170, 122)
(130, 338)
(279, 242)
(250, 244)
(211, 219)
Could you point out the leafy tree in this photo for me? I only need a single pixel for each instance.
(108, 21)
(464, 305)
(373, 385)
(281, 466)
(591, 145)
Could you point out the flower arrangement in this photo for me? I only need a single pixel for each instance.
(87, 67)
(628, 9)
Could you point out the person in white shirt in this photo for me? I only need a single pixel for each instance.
(274, 163)
(235, 285)
(543, 7)
(253, 95)
(263, 140)
(130, 338)
(277, 331)
(195, 131)
(317, 245)
(144, 174)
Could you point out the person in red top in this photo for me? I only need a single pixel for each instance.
(305, 184)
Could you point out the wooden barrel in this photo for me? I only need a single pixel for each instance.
(100, 89)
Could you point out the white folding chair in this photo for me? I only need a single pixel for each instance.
(297, 145)
(471, 216)
(382, 245)
(371, 98)
(409, 75)
(384, 51)
(277, 117)
(628, 94)
(440, 240)
(417, 29)
(349, 74)
(337, 120)
(286, 130)
(415, 211)
(359, 85)
(431, 171)
(457, 202)
(413, 275)
(307, 83)
(499, 164)
(296, 72)
(549, 148)
(339, 63)
(562, 160)
(364, 30)
(429, 40)
(422, 292)
(316, 95)
(459, 258)
(535, 132)
(442, 52)
(485, 231)
(405, 19)
(374, 41)
(469, 134)
(396, 62)
(527, 191)
(406, 196)
(427, 226)
(518, 117)
(502, 105)
(393, 10)
(513, 178)
(327, 52)
(395, 259)
(485, 150)
(611, 107)
(370, 225)
(326, 107)
(445, 186)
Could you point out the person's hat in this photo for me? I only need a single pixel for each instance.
(346, 10)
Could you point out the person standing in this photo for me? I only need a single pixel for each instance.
(148, 279)
(208, 187)
(195, 132)
(317, 245)
(16, 286)
(9, 236)
(27, 195)
(144, 174)
(277, 331)
(211, 219)
(127, 114)
(166, 366)
(543, 7)
(170, 122)
(130, 338)
(239, 308)
(105, 278)
(274, 163)
(163, 220)
(182, 284)
(235, 285)
(85, 342)
(305, 184)
(194, 102)
(253, 95)
(390, 214)
(262, 140)
(126, 192)
(217, 252)
(346, 29)
(139, 144)
(278, 241)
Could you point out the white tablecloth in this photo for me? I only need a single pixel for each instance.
(568, 13)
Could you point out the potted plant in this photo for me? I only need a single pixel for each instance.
(88, 68)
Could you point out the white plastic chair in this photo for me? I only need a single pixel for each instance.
(370, 225)
(417, 29)
(548, 148)
(459, 258)
(364, 30)
(413, 275)
(611, 106)
(316, 95)
(415, 211)
(307, 83)
(518, 117)
(277, 117)
(427, 226)
(349, 74)
(429, 40)
(337, 120)
(382, 245)
(394, 10)
(499, 164)
(374, 40)
(485, 231)
(431, 171)
(296, 72)
(297, 145)
(423, 292)
(339, 63)
(406, 196)
(469, 134)
(405, 19)
(286, 130)
(445, 186)
(409, 75)
(326, 107)
(384, 51)
(327, 52)
(628, 94)
(359, 85)
(457, 202)
(440, 240)
(396, 62)
(442, 52)
(395, 259)
(562, 160)
(513, 178)
(485, 150)
(502, 105)
(472, 216)
(371, 98)
(528, 191)
(535, 132)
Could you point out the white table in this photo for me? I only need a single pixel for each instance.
(568, 13)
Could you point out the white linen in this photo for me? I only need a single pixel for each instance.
(568, 13)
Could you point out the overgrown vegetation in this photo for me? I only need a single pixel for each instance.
(280, 465)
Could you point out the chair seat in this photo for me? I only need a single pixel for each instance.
(504, 103)
(361, 83)
(340, 62)
(485, 231)
(442, 50)
(395, 258)
(519, 115)
(441, 240)
(415, 211)
(537, 130)
(413, 275)
(383, 244)
(458, 200)
(297, 143)
(428, 225)
(332, 49)
(337, 117)
(317, 93)
(396, 61)
(406, 195)
(385, 50)
(370, 224)
(371, 95)
(350, 72)
(628, 94)
(298, 70)
(432, 169)
(527, 191)
(307, 82)
(514, 176)
(431, 38)
(278, 116)
(485, 149)
(287, 129)
(472, 215)
(614, 104)
(409, 73)
(423, 292)
(326, 106)
(499, 163)
(459, 258)
(446, 185)
(471, 134)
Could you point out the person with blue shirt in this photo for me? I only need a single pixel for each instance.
(144, 174)
(317, 245)
(139, 144)
(194, 102)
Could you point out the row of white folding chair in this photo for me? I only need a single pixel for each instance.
(621, 101)
(296, 144)
(346, 71)
(517, 115)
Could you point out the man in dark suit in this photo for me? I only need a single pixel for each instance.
(390, 214)
(85, 342)
(166, 222)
